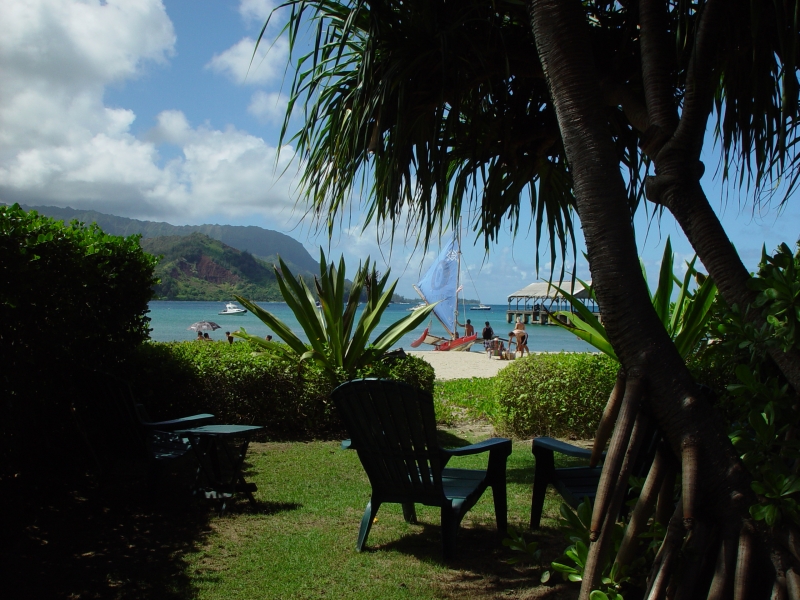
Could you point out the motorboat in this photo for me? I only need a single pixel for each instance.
(480, 307)
(417, 307)
(232, 309)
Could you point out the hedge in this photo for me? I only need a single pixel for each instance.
(72, 300)
(179, 378)
(560, 395)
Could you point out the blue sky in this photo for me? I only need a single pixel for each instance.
(146, 109)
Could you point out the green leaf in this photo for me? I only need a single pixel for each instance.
(665, 283)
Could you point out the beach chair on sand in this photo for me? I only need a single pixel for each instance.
(116, 428)
(393, 429)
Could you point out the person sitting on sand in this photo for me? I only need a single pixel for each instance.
(206, 337)
(498, 347)
(199, 336)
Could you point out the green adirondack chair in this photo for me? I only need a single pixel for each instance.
(393, 428)
(575, 483)
(116, 428)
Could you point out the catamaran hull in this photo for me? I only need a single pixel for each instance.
(441, 344)
(462, 344)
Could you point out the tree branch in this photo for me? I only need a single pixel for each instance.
(700, 87)
(657, 68)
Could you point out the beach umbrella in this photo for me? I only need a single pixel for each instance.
(204, 326)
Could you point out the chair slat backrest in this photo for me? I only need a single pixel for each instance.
(393, 428)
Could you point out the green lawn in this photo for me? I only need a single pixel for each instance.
(299, 541)
(100, 537)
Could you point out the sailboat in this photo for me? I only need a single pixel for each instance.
(441, 284)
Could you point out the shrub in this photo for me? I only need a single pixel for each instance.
(554, 394)
(338, 342)
(69, 292)
(292, 401)
(71, 297)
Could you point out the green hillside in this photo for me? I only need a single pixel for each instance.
(265, 244)
(197, 267)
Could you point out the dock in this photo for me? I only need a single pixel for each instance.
(533, 303)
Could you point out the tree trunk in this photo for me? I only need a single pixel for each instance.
(720, 486)
(677, 157)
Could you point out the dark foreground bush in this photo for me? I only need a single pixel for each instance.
(71, 298)
(179, 378)
(554, 394)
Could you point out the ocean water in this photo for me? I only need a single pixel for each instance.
(170, 322)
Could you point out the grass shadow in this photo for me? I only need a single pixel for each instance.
(480, 568)
(447, 439)
(85, 539)
(267, 507)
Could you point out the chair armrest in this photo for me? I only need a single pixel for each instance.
(548, 443)
(499, 443)
(182, 423)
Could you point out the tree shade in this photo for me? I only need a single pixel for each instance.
(463, 105)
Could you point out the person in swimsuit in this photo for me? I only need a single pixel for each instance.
(469, 329)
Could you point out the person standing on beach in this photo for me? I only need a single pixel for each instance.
(229, 336)
(469, 329)
(487, 335)
(521, 337)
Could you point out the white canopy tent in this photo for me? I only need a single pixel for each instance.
(543, 290)
(534, 301)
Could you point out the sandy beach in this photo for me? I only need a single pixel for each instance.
(460, 365)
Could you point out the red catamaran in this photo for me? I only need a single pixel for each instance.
(441, 284)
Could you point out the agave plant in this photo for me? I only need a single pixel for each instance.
(685, 320)
(337, 341)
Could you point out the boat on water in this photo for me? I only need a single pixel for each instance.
(417, 307)
(441, 284)
(480, 307)
(232, 309)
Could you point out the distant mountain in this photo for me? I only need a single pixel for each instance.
(265, 244)
(196, 267)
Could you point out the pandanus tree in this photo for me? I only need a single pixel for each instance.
(443, 105)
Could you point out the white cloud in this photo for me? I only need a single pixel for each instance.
(60, 144)
(239, 64)
(268, 107)
(256, 10)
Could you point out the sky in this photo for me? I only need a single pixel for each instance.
(150, 110)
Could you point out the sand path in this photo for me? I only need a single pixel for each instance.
(460, 365)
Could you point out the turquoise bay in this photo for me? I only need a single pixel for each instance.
(170, 320)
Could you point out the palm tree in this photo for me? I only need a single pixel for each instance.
(470, 103)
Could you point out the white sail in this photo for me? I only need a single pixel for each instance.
(440, 284)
